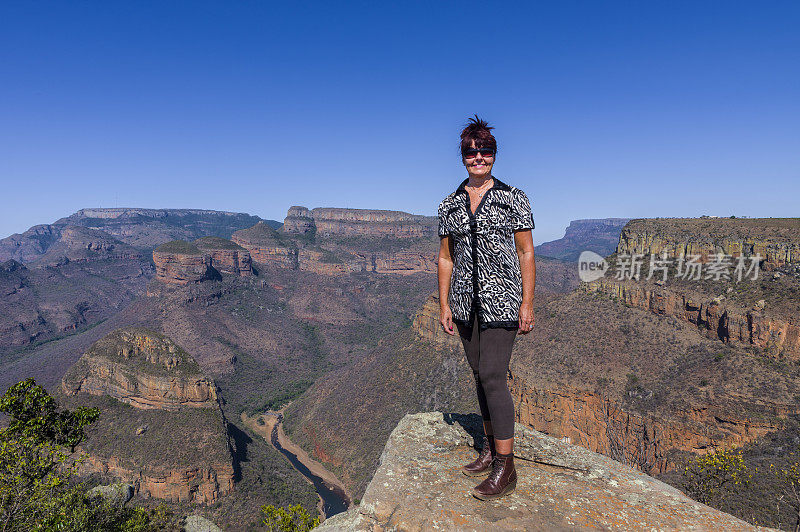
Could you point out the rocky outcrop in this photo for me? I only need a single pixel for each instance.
(598, 235)
(267, 246)
(332, 221)
(142, 368)
(404, 262)
(419, 486)
(193, 484)
(287, 250)
(180, 262)
(226, 256)
(173, 444)
(777, 240)
(299, 221)
(426, 324)
(714, 318)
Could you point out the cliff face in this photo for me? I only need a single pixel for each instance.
(143, 369)
(352, 222)
(563, 383)
(418, 486)
(426, 325)
(226, 256)
(299, 220)
(193, 484)
(603, 425)
(183, 266)
(161, 426)
(714, 318)
(180, 262)
(777, 240)
(290, 248)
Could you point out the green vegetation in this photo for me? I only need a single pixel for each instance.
(179, 247)
(709, 477)
(215, 242)
(293, 519)
(37, 487)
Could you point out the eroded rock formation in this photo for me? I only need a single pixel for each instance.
(179, 262)
(161, 427)
(142, 368)
(267, 246)
(226, 256)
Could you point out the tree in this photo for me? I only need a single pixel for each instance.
(34, 414)
(37, 492)
(295, 519)
(705, 477)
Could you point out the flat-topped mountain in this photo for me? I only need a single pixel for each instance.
(777, 240)
(372, 241)
(419, 486)
(161, 427)
(599, 235)
(349, 222)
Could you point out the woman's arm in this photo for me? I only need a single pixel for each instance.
(445, 271)
(524, 243)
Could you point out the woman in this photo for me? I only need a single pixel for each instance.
(486, 281)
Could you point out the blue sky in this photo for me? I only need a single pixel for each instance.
(602, 109)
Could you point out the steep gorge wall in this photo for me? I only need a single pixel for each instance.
(593, 421)
(776, 240)
(712, 318)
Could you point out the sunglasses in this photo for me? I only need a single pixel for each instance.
(471, 153)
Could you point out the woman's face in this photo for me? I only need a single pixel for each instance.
(480, 166)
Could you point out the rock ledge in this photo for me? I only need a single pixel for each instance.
(419, 486)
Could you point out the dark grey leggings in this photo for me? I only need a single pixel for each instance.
(488, 353)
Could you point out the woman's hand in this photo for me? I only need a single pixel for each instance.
(526, 318)
(446, 319)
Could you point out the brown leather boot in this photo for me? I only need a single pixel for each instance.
(480, 466)
(500, 482)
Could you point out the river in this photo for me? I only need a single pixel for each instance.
(332, 494)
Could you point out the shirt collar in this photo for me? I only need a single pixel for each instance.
(462, 188)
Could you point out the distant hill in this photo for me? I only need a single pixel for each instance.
(598, 235)
(143, 229)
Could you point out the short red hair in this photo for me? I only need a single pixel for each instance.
(480, 132)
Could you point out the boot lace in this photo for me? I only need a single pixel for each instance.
(497, 468)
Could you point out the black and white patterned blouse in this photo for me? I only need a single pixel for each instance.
(486, 239)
